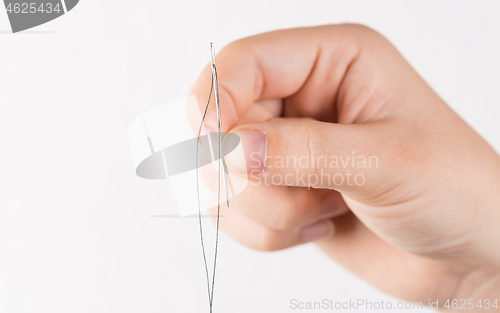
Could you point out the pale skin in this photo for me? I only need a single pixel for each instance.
(425, 224)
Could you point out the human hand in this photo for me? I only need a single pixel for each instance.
(419, 219)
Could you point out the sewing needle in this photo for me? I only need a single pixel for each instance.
(217, 104)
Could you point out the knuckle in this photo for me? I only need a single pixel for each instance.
(370, 38)
(285, 218)
(294, 212)
(269, 240)
(306, 206)
(314, 144)
(362, 29)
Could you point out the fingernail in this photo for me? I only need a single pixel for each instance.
(332, 206)
(251, 159)
(316, 231)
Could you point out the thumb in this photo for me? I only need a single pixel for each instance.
(308, 153)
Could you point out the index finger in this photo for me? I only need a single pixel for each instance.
(273, 65)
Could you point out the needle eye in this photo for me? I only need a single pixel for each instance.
(212, 50)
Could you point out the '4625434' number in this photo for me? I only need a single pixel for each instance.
(463, 304)
(27, 8)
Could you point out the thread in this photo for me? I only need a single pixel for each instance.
(198, 194)
(213, 87)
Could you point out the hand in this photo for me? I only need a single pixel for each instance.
(419, 219)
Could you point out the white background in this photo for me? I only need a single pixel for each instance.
(75, 228)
